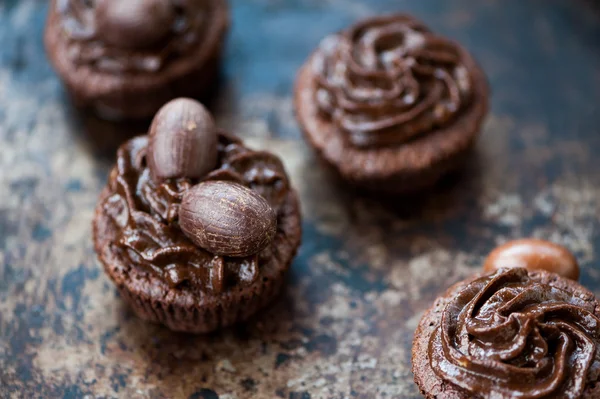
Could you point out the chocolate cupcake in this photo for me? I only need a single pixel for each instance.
(125, 59)
(390, 105)
(511, 334)
(196, 230)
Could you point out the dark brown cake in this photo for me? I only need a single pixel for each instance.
(511, 334)
(125, 59)
(200, 253)
(389, 105)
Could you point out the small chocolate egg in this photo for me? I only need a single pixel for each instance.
(134, 24)
(533, 254)
(183, 141)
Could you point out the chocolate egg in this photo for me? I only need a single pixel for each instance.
(183, 141)
(533, 254)
(227, 219)
(134, 24)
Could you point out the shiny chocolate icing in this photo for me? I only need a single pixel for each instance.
(86, 44)
(388, 80)
(512, 335)
(145, 214)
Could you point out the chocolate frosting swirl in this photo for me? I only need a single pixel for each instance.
(388, 80)
(513, 335)
(146, 215)
(86, 47)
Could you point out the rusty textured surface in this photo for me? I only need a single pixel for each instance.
(368, 268)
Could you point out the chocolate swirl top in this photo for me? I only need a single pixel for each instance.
(389, 79)
(146, 215)
(132, 35)
(516, 335)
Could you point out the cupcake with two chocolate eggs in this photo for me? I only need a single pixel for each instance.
(524, 328)
(195, 229)
(390, 105)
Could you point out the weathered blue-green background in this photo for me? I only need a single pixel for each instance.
(368, 268)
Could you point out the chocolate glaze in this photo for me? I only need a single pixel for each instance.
(146, 213)
(509, 335)
(387, 80)
(87, 47)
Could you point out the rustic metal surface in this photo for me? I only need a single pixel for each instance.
(368, 267)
